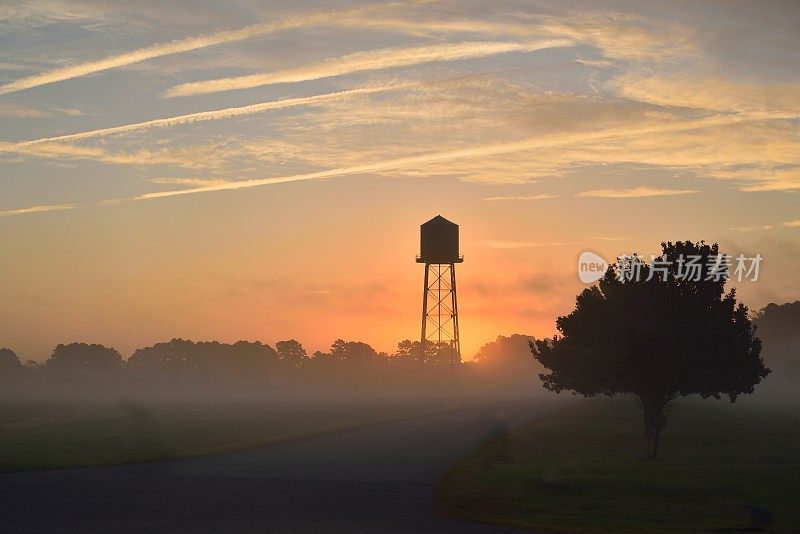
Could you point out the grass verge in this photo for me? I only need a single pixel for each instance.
(583, 469)
(38, 435)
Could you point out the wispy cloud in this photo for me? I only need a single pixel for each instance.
(751, 228)
(562, 140)
(397, 163)
(524, 244)
(611, 237)
(70, 112)
(384, 58)
(635, 192)
(522, 197)
(37, 209)
(199, 156)
(203, 116)
(769, 178)
(617, 36)
(760, 153)
(792, 224)
(193, 182)
(175, 47)
(22, 112)
(472, 152)
(708, 93)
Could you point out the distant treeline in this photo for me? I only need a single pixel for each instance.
(182, 360)
(506, 362)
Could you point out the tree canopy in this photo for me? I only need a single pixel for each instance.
(82, 359)
(9, 363)
(209, 359)
(291, 353)
(658, 337)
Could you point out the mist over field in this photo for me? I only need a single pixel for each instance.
(87, 405)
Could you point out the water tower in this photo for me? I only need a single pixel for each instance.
(439, 253)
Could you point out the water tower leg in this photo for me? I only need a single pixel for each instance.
(456, 337)
(423, 336)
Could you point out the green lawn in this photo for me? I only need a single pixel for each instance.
(583, 469)
(55, 434)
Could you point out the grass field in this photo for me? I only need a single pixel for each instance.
(54, 434)
(583, 470)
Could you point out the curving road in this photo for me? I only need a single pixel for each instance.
(372, 479)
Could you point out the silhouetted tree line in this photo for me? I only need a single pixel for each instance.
(211, 361)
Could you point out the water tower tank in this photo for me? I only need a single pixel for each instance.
(439, 242)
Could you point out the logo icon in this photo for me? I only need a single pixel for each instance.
(591, 267)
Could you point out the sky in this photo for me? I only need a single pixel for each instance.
(252, 170)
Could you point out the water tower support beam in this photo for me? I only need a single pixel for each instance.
(456, 337)
(439, 306)
(424, 314)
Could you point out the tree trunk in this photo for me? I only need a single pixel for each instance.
(654, 418)
(653, 446)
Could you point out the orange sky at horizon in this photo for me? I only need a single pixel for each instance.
(260, 172)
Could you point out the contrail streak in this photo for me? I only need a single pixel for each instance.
(383, 58)
(273, 105)
(636, 192)
(37, 209)
(216, 114)
(487, 150)
(178, 46)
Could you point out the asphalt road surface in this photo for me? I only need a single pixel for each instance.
(378, 478)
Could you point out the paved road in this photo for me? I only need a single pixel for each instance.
(373, 479)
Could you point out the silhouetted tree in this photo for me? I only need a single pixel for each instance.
(510, 354)
(413, 352)
(442, 354)
(657, 339)
(208, 359)
(407, 351)
(242, 360)
(352, 352)
(431, 353)
(10, 366)
(291, 353)
(506, 362)
(80, 360)
(174, 356)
